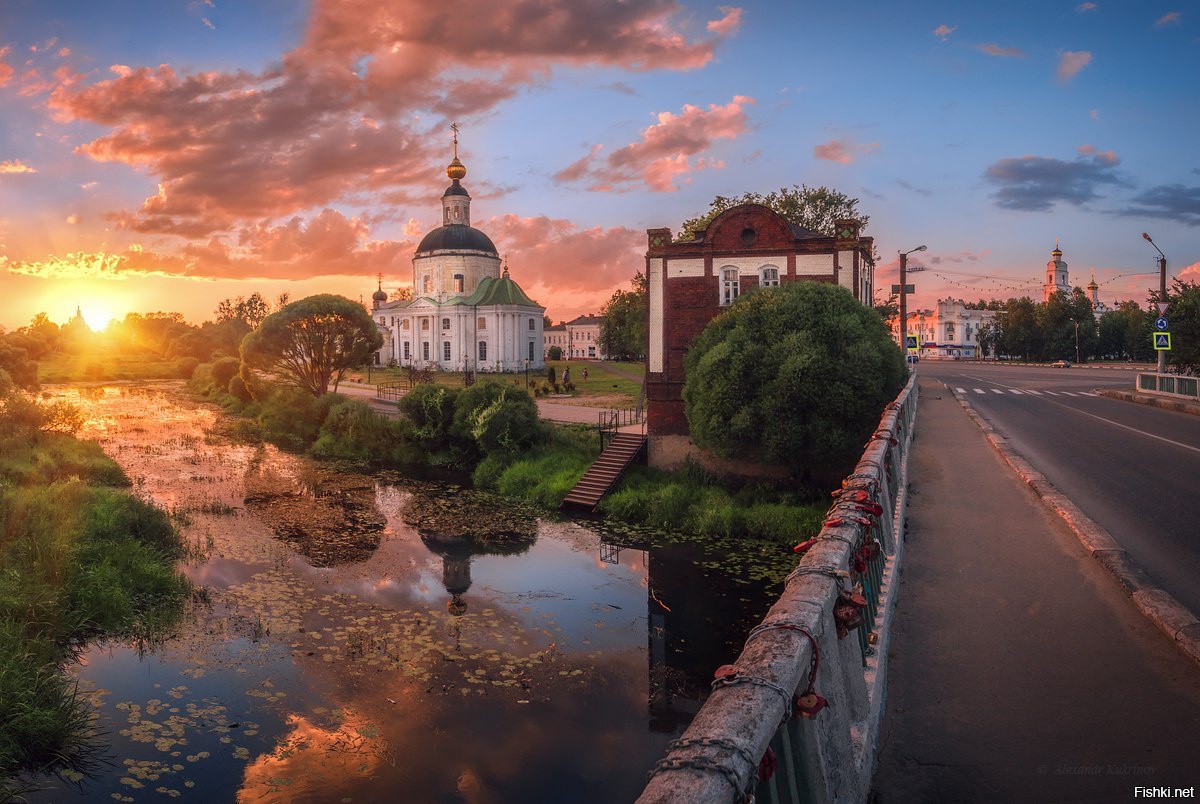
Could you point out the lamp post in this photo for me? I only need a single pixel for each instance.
(1162, 295)
(1077, 360)
(904, 300)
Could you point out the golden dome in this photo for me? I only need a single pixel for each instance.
(456, 170)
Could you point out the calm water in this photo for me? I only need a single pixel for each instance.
(346, 654)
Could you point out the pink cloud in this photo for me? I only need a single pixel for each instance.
(843, 151)
(1004, 52)
(1103, 157)
(1170, 18)
(1191, 273)
(557, 256)
(227, 147)
(943, 31)
(728, 24)
(665, 150)
(1071, 62)
(6, 70)
(11, 166)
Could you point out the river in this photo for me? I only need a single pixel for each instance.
(368, 638)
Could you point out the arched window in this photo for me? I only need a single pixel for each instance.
(769, 277)
(531, 325)
(729, 285)
(483, 350)
(458, 283)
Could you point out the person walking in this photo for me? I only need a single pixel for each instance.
(584, 373)
(566, 377)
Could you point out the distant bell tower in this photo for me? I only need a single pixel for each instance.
(1056, 275)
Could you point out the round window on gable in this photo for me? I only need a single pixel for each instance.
(749, 236)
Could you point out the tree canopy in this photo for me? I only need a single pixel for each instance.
(623, 328)
(313, 341)
(795, 376)
(815, 208)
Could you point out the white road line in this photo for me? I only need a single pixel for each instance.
(1085, 393)
(1015, 391)
(1031, 391)
(1066, 393)
(979, 391)
(1131, 429)
(997, 391)
(959, 391)
(1051, 393)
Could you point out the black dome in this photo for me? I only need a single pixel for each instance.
(457, 237)
(456, 189)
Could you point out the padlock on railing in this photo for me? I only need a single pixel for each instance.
(848, 612)
(809, 704)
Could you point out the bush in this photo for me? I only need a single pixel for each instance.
(224, 370)
(238, 389)
(186, 367)
(291, 418)
(551, 375)
(554, 353)
(491, 416)
(354, 432)
(795, 376)
(431, 409)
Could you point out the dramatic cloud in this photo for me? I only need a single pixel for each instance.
(334, 122)
(1191, 273)
(328, 245)
(843, 151)
(1036, 183)
(15, 166)
(1172, 201)
(665, 151)
(943, 31)
(1004, 52)
(1170, 18)
(547, 253)
(1083, 8)
(1070, 62)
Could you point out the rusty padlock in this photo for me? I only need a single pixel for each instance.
(848, 612)
(767, 765)
(800, 548)
(872, 550)
(809, 704)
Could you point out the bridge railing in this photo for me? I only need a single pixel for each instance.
(802, 648)
(1173, 385)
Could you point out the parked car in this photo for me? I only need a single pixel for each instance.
(1061, 364)
(914, 359)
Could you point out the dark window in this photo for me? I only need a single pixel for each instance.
(425, 351)
(445, 323)
(483, 350)
(446, 349)
(458, 283)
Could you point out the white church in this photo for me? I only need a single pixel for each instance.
(466, 313)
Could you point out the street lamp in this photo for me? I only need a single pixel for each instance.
(1077, 360)
(1162, 295)
(904, 299)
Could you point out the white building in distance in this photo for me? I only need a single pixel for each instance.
(951, 331)
(466, 312)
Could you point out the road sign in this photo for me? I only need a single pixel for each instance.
(1160, 324)
(912, 341)
(907, 288)
(1162, 341)
(1162, 308)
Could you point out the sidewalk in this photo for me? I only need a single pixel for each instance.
(1018, 669)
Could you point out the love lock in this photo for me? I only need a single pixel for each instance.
(871, 507)
(767, 765)
(809, 704)
(800, 548)
(848, 612)
(860, 562)
(725, 671)
(872, 550)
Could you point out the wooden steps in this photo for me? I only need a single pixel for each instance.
(602, 475)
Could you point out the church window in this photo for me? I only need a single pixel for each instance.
(483, 350)
(446, 350)
(425, 324)
(445, 323)
(531, 350)
(458, 283)
(427, 284)
(481, 323)
(531, 325)
(383, 319)
(425, 351)
(406, 351)
(770, 278)
(404, 326)
(729, 285)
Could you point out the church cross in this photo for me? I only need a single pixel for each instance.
(454, 128)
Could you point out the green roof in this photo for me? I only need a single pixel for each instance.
(499, 291)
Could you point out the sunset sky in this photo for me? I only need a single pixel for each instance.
(163, 155)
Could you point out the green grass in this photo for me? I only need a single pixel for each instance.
(79, 559)
(545, 474)
(104, 364)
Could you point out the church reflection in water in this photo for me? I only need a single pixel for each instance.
(458, 551)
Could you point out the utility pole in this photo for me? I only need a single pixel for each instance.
(1162, 295)
(904, 300)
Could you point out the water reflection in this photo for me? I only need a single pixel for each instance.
(474, 653)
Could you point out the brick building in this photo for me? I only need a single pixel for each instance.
(691, 282)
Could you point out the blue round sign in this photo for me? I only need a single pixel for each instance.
(1160, 324)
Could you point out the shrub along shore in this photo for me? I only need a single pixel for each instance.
(80, 559)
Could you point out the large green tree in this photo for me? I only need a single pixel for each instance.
(815, 208)
(312, 342)
(623, 328)
(795, 376)
(1184, 315)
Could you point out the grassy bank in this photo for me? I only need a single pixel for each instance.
(105, 364)
(80, 558)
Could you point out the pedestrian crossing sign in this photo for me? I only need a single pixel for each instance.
(1162, 341)
(911, 342)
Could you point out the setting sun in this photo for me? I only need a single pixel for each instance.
(97, 314)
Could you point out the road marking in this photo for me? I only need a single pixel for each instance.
(1085, 393)
(1127, 427)
(1052, 393)
(1031, 391)
(979, 391)
(959, 391)
(997, 391)
(1066, 393)
(1015, 391)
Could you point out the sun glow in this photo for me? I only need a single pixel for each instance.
(97, 315)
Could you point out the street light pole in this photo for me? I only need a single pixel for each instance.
(1077, 360)
(1162, 295)
(904, 300)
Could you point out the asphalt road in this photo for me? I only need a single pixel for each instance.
(1135, 469)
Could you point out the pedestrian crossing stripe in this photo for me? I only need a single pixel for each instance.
(1023, 392)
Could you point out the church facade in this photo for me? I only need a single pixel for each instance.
(466, 313)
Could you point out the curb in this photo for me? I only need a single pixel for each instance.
(1159, 606)
(1178, 405)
